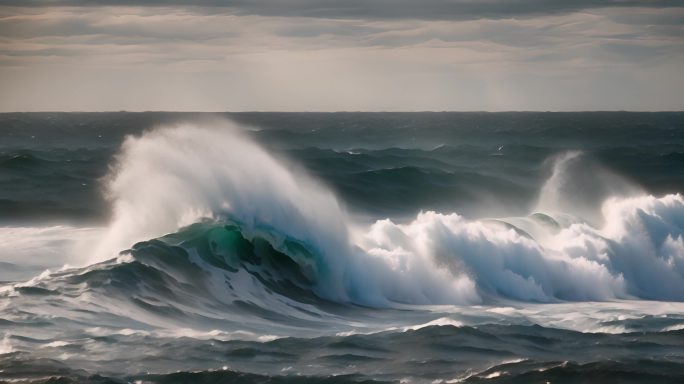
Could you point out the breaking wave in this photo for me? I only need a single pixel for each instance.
(226, 203)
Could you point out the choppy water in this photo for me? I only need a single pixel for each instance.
(270, 247)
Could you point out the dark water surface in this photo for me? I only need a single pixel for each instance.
(342, 247)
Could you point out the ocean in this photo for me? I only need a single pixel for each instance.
(438, 247)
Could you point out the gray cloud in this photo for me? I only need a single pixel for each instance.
(374, 9)
(346, 55)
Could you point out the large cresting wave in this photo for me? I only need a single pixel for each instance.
(623, 244)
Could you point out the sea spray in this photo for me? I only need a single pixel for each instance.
(171, 177)
(174, 176)
(578, 184)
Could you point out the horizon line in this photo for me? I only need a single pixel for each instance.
(350, 111)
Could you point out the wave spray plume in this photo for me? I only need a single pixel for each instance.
(171, 177)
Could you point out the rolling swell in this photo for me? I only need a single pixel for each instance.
(51, 184)
(252, 209)
(344, 149)
(237, 266)
(207, 274)
(215, 247)
(608, 242)
(486, 353)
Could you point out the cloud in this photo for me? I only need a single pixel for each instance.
(374, 9)
(243, 57)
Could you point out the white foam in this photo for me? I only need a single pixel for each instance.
(32, 249)
(5, 345)
(676, 327)
(56, 344)
(630, 247)
(175, 176)
(442, 321)
(639, 252)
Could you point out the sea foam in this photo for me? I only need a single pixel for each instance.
(629, 246)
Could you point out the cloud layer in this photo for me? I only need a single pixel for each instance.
(349, 55)
(375, 9)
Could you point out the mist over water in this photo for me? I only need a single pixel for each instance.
(277, 233)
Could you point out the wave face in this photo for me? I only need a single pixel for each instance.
(173, 177)
(224, 260)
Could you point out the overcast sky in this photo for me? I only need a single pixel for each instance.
(351, 55)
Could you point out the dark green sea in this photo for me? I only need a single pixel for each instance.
(516, 247)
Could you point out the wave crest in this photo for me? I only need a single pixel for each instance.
(171, 177)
